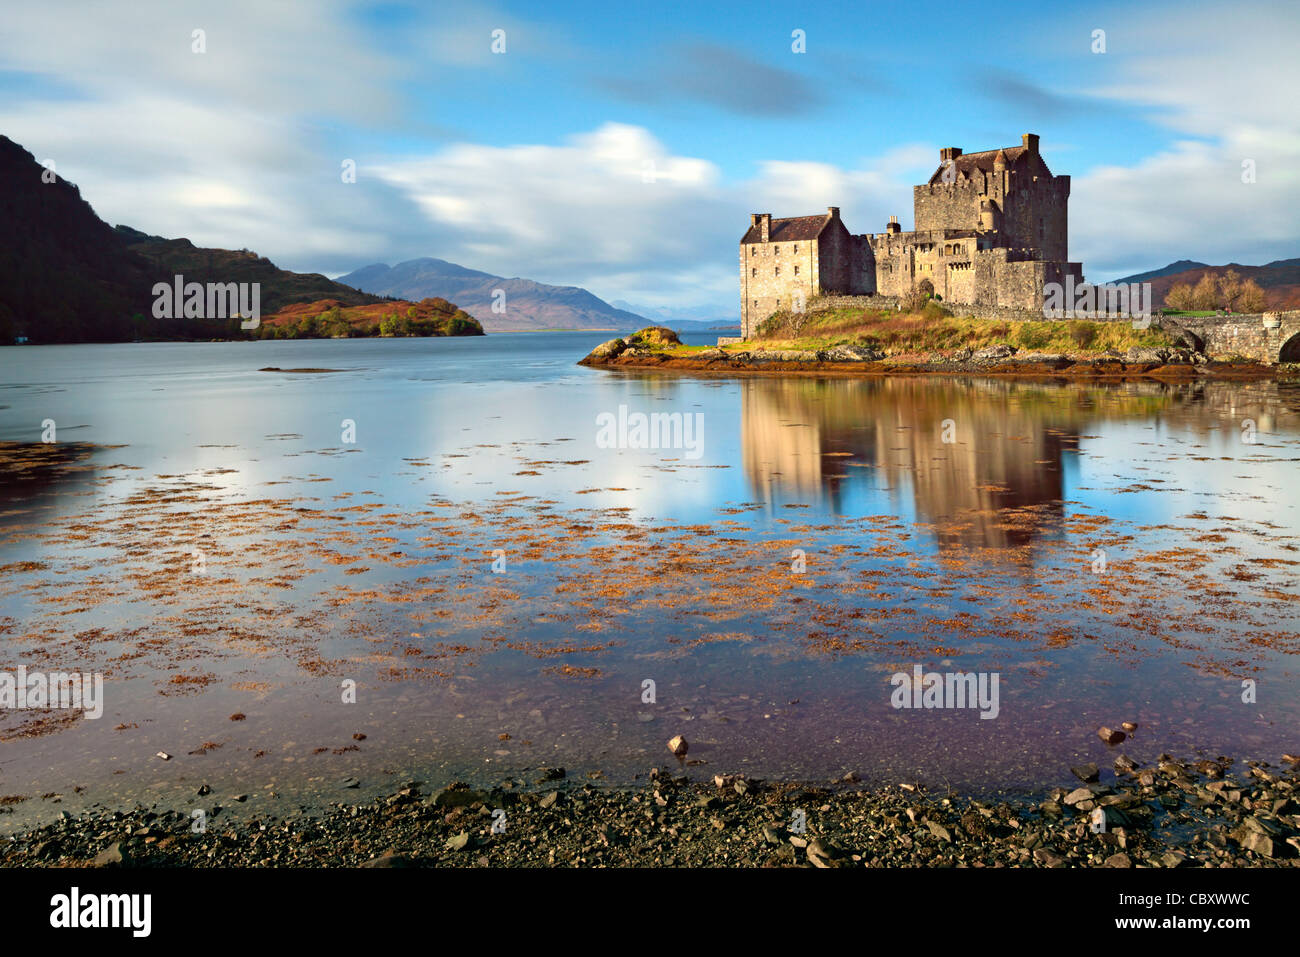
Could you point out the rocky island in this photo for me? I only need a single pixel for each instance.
(858, 341)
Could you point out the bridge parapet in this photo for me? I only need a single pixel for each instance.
(1262, 336)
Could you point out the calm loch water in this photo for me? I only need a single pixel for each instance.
(425, 565)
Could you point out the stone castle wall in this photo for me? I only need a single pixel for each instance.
(774, 276)
(780, 275)
(828, 303)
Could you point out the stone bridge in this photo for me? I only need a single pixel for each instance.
(1265, 337)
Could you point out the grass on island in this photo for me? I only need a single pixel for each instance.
(932, 329)
(332, 319)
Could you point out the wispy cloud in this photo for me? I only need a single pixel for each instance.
(1031, 100)
(723, 78)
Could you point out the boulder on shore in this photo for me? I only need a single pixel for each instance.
(854, 354)
(608, 350)
(1137, 354)
(654, 336)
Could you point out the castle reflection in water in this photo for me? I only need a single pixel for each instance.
(999, 483)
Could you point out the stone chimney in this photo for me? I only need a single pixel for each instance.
(765, 220)
(1030, 142)
(949, 153)
(892, 226)
(833, 211)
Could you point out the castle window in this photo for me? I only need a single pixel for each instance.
(796, 249)
(776, 270)
(796, 270)
(754, 271)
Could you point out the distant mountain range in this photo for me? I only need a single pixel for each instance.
(521, 304)
(690, 318)
(1280, 279)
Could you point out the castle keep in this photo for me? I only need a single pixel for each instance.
(991, 230)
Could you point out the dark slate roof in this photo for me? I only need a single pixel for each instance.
(984, 161)
(789, 230)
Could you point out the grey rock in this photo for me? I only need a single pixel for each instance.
(390, 858)
(1250, 840)
(854, 354)
(1087, 773)
(939, 831)
(821, 852)
(112, 856)
(994, 352)
(1049, 858)
(455, 795)
(1079, 796)
(1137, 354)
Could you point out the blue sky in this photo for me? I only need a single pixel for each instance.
(621, 147)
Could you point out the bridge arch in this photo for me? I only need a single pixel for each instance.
(1290, 351)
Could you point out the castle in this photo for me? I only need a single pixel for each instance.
(991, 230)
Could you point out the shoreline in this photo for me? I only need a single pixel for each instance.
(1205, 813)
(1107, 369)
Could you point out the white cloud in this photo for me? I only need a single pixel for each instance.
(242, 145)
(1224, 79)
(212, 146)
(615, 211)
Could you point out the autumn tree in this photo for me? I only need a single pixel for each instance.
(1230, 290)
(1206, 293)
(1251, 298)
(1180, 298)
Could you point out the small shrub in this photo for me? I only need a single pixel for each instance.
(933, 311)
(914, 300)
(1033, 335)
(1082, 332)
(655, 336)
